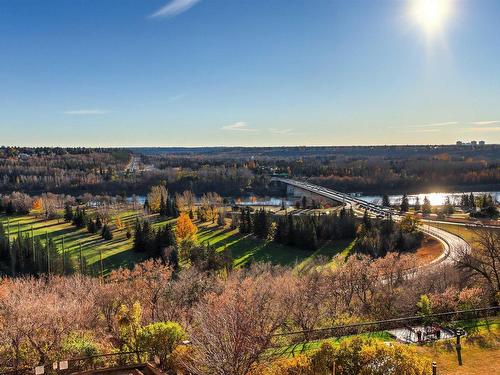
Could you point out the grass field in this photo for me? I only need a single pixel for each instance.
(468, 234)
(245, 249)
(118, 252)
(115, 253)
(480, 353)
(480, 349)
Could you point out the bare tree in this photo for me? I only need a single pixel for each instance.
(232, 330)
(482, 258)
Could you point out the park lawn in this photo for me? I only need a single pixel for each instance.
(115, 253)
(247, 248)
(118, 251)
(305, 347)
(480, 353)
(468, 234)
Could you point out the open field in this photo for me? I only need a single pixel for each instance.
(467, 233)
(115, 253)
(118, 252)
(480, 353)
(245, 249)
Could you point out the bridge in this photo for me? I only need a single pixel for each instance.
(336, 196)
(451, 242)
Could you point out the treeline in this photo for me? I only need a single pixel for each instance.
(379, 237)
(305, 231)
(57, 170)
(376, 170)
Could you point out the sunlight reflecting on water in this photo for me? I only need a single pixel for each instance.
(436, 199)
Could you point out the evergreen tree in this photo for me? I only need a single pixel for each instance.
(367, 223)
(68, 213)
(98, 223)
(91, 226)
(405, 205)
(464, 202)
(426, 207)
(448, 207)
(418, 206)
(472, 202)
(163, 206)
(385, 201)
(9, 210)
(139, 243)
(106, 233)
(80, 218)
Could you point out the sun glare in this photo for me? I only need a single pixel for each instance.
(431, 15)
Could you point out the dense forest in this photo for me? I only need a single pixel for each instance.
(242, 171)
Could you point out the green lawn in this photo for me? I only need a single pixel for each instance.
(304, 347)
(115, 253)
(467, 233)
(118, 252)
(245, 249)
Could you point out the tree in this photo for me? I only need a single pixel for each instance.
(405, 205)
(409, 223)
(155, 197)
(385, 201)
(367, 223)
(426, 207)
(424, 307)
(98, 223)
(367, 357)
(185, 229)
(91, 227)
(68, 213)
(233, 329)
(417, 206)
(160, 339)
(482, 259)
(448, 207)
(472, 202)
(106, 233)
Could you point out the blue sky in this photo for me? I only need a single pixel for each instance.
(242, 72)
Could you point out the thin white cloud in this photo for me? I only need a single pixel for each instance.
(239, 126)
(437, 124)
(87, 112)
(432, 125)
(280, 131)
(423, 131)
(175, 7)
(488, 129)
(482, 123)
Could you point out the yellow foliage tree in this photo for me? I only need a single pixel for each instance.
(37, 204)
(185, 229)
(119, 223)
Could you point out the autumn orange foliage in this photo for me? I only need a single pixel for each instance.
(185, 228)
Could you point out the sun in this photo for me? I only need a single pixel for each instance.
(431, 15)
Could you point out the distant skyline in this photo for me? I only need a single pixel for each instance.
(248, 73)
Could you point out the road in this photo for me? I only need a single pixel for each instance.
(452, 243)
